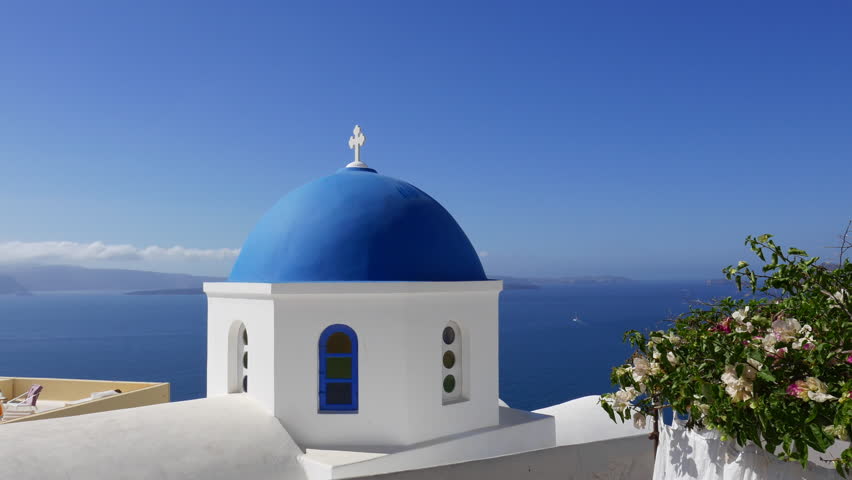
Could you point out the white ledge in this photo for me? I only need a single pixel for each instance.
(233, 289)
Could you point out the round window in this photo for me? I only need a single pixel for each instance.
(245, 383)
(449, 359)
(245, 337)
(449, 335)
(245, 360)
(449, 383)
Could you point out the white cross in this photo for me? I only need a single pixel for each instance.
(356, 141)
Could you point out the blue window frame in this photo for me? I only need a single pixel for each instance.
(338, 369)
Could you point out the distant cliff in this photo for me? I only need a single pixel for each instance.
(9, 286)
(47, 278)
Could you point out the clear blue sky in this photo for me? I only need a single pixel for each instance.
(636, 138)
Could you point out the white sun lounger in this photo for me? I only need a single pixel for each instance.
(93, 396)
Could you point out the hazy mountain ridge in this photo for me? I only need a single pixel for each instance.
(52, 278)
(9, 285)
(22, 279)
(514, 283)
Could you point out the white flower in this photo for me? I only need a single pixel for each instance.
(623, 397)
(703, 408)
(806, 337)
(672, 358)
(739, 388)
(816, 385)
(769, 342)
(785, 329)
(754, 363)
(838, 298)
(641, 369)
(838, 431)
(740, 315)
(639, 420)
(820, 397)
(655, 368)
(745, 327)
(674, 339)
(656, 354)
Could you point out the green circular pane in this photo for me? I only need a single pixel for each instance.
(245, 337)
(449, 383)
(449, 335)
(449, 359)
(245, 360)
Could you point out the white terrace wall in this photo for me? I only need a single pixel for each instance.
(629, 458)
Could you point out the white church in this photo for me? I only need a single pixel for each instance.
(356, 337)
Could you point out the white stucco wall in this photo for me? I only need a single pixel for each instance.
(399, 328)
(627, 458)
(257, 314)
(224, 438)
(518, 431)
(582, 420)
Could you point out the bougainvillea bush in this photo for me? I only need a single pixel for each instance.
(774, 368)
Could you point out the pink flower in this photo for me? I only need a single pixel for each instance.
(808, 346)
(794, 390)
(724, 326)
(798, 389)
(849, 359)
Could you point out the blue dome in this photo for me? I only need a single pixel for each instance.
(357, 226)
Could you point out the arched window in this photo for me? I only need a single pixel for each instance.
(451, 363)
(338, 369)
(238, 361)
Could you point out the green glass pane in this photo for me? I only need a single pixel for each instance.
(338, 367)
(338, 343)
(449, 383)
(245, 337)
(245, 360)
(449, 359)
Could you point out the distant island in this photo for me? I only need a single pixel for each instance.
(10, 286)
(512, 283)
(516, 283)
(584, 280)
(24, 279)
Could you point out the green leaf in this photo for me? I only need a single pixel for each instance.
(766, 376)
(608, 409)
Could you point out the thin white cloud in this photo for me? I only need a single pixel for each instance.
(11, 252)
(483, 254)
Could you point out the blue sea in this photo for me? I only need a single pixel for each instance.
(545, 356)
